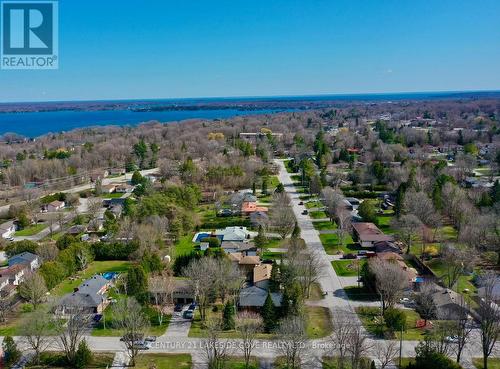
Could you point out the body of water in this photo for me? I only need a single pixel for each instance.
(35, 124)
(39, 123)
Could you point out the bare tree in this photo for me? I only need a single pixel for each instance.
(161, 287)
(463, 328)
(343, 321)
(281, 215)
(357, 345)
(70, 332)
(216, 351)
(33, 289)
(228, 279)
(489, 317)
(457, 262)
(202, 280)
(385, 352)
(407, 228)
(425, 301)
(332, 199)
(390, 280)
(94, 205)
(129, 317)
(309, 266)
(292, 340)
(47, 251)
(344, 223)
(249, 324)
(34, 331)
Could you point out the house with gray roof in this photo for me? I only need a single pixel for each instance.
(27, 259)
(254, 298)
(89, 298)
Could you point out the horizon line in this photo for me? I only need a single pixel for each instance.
(437, 92)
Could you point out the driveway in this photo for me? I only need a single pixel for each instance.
(178, 326)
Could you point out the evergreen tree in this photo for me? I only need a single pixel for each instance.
(264, 186)
(83, 356)
(260, 239)
(274, 280)
(137, 178)
(137, 283)
(280, 188)
(254, 191)
(10, 351)
(228, 322)
(268, 313)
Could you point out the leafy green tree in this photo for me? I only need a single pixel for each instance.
(296, 231)
(23, 220)
(137, 283)
(83, 355)
(137, 178)
(280, 188)
(18, 247)
(260, 240)
(228, 322)
(140, 150)
(395, 319)
(65, 241)
(275, 280)
(268, 313)
(264, 185)
(367, 211)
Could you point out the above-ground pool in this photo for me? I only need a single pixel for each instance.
(109, 275)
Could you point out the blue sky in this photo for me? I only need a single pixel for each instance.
(117, 49)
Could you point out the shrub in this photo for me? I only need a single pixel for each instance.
(10, 351)
(228, 322)
(395, 319)
(83, 356)
(212, 241)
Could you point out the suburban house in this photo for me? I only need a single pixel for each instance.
(258, 217)
(27, 259)
(108, 188)
(182, 292)
(245, 263)
(449, 304)
(367, 234)
(253, 298)
(55, 205)
(15, 273)
(124, 188)
(386, 246)
(76, 229)
(6, 289)
(7, 229)
(98, 175)
(236, 234)
(117, 171)
(398, 259)
(262, 275)
(89, 298)
(239, 198)
(230, 247)
(248, 208)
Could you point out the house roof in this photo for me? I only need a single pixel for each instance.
(232, 233)
(256, 297)
(56, 203)
(393, 257)
(370, 232)
(12, 270)
(23, 258)
(87, 294)
(250, 207)
(386, 246)
(240, 246)
(262, 272)
(76, 229)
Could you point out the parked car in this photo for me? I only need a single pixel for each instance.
(451, 339)
(150, 339)
(97, 318)
(178, 308)
(192, 306)
(349, 256)
(305, 212)
(141, 345)
(188, 314)
(301, 203)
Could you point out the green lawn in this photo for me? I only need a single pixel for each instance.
(319, 323)
(96, 267)
(113, 195)
(163, 361)
(272, 255)
(313, 204)
(56, 360)
(184, 245)
(331, 244)
(384, 223)
(370, 317)
(464, 282)
(318, 214)
(154, 328)
(493, 363)
(31, 230)
(347, 268)
(274, 243)
(324, 225)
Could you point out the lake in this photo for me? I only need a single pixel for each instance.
(39, 123)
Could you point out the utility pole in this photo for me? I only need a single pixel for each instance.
(401, 345)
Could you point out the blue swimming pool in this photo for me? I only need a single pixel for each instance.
(201, 236)
(109, 275)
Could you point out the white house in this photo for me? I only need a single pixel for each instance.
(27, 259)
(15, 274)
(237, 234)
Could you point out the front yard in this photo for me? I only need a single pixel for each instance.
(348, 268)
(31, 230)
(331, 244)
(163, 361)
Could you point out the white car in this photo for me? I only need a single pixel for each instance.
(451, 339)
